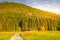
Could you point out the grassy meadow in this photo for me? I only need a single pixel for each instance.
(41, 35)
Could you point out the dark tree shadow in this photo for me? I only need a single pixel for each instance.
(58, 28)
(20, 25)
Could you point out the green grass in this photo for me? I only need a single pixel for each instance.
(41, 35)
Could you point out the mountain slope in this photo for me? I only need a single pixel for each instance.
(16, 16)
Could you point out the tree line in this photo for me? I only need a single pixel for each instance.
(23, 22)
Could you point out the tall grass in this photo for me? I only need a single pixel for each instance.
(42, 35)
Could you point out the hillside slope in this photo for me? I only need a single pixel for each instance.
(17, 16)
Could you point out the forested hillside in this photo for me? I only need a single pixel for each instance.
(20, 17)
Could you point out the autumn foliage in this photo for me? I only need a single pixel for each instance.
(19, 17)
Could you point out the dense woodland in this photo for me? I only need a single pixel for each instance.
(20, 17)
